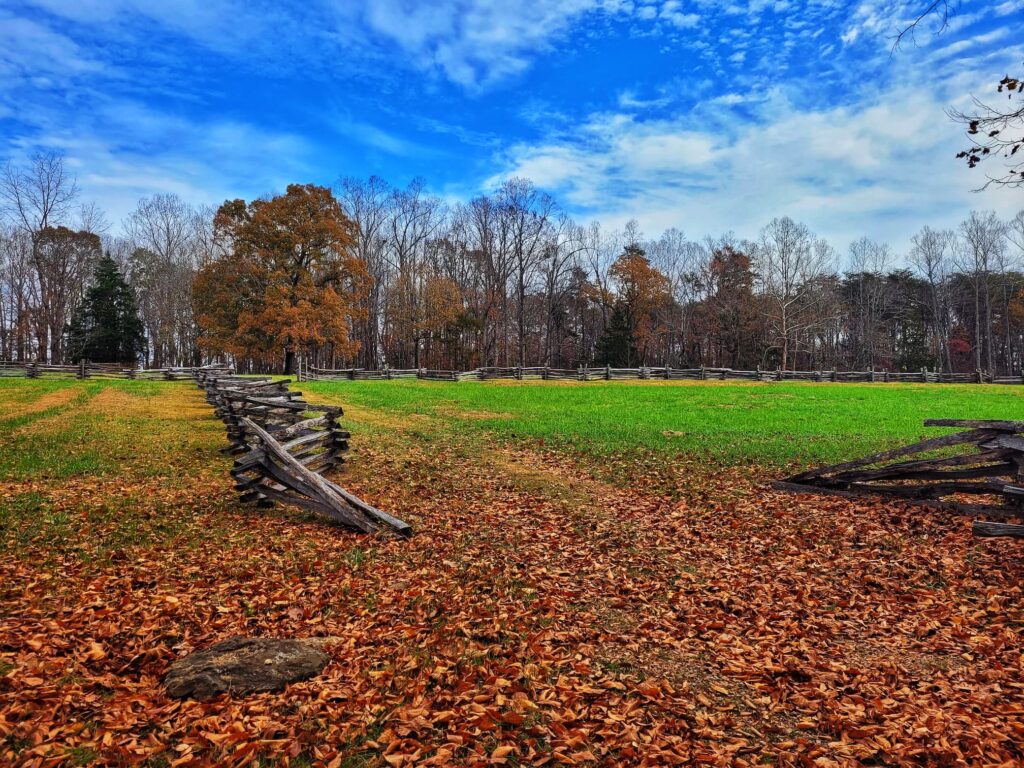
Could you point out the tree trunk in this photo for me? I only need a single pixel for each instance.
(977, 326)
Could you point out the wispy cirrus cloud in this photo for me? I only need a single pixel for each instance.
(882, 164)
(670, 111)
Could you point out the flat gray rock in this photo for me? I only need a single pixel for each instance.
(243, 665)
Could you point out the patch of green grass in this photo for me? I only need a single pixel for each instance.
(768, 423)
(116, 466)
(82, 756)
(89, 436)
(355, 557)
(356, 754)
(18, 402)
(28, 517)
(28, 524)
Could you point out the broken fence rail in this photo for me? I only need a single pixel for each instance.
(985, 461)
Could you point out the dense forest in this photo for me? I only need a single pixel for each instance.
(507, 278)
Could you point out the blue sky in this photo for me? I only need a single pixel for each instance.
(707, 116)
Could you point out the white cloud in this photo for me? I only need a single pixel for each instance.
(472, 43)
(884, 167)
(672, 12)
(123, 151)
(627, 100)
(730, 99)
(32, 51)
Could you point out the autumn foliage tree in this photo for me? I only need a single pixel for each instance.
(287, 278)
(727, 320)
(63, 258)
(644, 291)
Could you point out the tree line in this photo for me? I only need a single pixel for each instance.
(371, 275)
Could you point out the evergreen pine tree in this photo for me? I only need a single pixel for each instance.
(616, 346)
(106, 327)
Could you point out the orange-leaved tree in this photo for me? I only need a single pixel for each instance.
(645, 291)
(287, 278)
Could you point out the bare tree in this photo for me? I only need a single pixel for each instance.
(790, 260)
(869, 264)
(1008, 265)
(414, 217)
(560, 258)
(16, 292)
(37, 198)
(931, 254)
(169, 241)
(684, 262)
(39, 194)
(938, 10)
(983, 237)
(528, 213)
(366, 203)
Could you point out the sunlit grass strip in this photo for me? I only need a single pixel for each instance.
(776, 423)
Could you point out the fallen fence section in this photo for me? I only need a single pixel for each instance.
(985, 461)
(312, 373)
(283, 444)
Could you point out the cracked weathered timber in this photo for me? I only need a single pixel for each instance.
(989, 466)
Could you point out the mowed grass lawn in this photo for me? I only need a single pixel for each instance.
(63, 428)
(766, 423)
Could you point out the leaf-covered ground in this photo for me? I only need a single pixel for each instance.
(540, 616)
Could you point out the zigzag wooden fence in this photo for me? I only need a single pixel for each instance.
(607, 373)
(283, 444)
(984, 462)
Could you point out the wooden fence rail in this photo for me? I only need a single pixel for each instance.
(607, 373)
(34, 370)
(87, 370)
(310, 373)
(283, 444)
(984, 462)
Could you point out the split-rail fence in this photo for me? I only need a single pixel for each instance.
(607, 373)
(983, 462)
(283, 444)
(87, 370)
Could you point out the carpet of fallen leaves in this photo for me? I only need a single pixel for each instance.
(539, 616)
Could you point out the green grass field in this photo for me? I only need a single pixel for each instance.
(61, 428)
(725, 422)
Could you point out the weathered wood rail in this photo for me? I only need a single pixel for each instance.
(985, 462)
(283, 444)
(607, 373)
(87, 370)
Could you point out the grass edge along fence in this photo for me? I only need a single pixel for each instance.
(607, 373)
